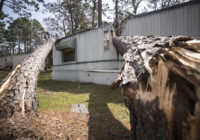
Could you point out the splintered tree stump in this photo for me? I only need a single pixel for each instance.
(161, 86)
(17, 90)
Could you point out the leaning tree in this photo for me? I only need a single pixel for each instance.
(17, 90)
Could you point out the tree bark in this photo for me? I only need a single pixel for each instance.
(69, 6)
(25, 47)
(99, 13)
(116, 15)
(64, 29)
(17, 91)
(136, 4)
(160, 85)
(19, 45)
(13, 49)
(93, 13)
(1, 5)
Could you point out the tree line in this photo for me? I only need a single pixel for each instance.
(23, 34)
(71, 16)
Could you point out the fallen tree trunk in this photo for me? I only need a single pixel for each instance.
(161, 86)
(17, 90)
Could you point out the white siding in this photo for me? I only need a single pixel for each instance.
(92, 63)
(90, 46)
(183, 20)
(97, 77)
(14, 60)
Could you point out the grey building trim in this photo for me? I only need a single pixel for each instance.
(95, 61)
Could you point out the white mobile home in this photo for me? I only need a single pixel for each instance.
(87, 56)
(90, 56)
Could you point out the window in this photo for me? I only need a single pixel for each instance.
(68, 54)
(106, 40)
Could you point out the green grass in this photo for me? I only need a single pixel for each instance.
(59, 95)
(3, 74)
(100, 99)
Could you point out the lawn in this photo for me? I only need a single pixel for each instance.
(59, 95)
(3, 74)
(104, 105)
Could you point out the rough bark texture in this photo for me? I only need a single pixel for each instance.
(17, 90)
(161, 84)
(94, 12)
(1, 6)
(99, 13)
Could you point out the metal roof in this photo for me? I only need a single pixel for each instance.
(167, 8)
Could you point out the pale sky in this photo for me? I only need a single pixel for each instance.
(41, 15)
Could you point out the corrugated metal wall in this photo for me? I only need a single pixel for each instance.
(180, 20)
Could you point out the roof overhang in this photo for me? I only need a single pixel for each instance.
(66, 43)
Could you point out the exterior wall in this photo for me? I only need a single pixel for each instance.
(93, 64)
(13, 60)
(90, 46)
(89, 66)
(57, 56)
(97, 72)
(98, 77)
(178, 20)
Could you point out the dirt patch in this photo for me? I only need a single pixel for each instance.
(62, 125)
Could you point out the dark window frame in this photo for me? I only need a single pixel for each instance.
(70, 60)
(74, 46)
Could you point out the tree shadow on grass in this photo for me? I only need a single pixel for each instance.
(103, 123)
(104, 105)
